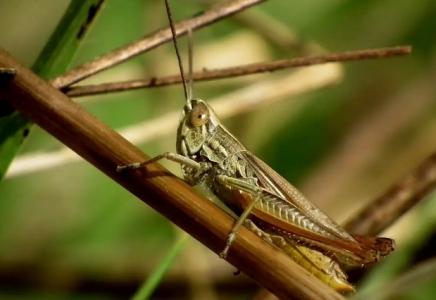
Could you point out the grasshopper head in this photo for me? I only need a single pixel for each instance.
(198, 121)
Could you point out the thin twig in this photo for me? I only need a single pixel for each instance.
(228, 105)
(364, 141)
(271, 30)
(152, 41)
(157, 187)
(396, 201)
(240, 70)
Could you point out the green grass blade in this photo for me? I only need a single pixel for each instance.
(54, 59)
(13, 131)
(145, 291)
(64, 43)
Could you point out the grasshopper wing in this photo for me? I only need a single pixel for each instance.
(276, 184)
(307, 220)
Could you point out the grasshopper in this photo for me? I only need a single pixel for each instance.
(214, 160)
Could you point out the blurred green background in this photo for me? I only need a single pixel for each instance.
(68, 232)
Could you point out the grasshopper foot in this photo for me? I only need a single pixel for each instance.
(130, 166)
(223, 254)
(230, 239)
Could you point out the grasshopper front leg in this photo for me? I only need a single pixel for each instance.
(245, 187)
(180, 159)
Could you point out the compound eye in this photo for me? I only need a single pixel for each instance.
(199, 115)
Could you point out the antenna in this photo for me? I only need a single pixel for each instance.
(188, 93)
(191, 65)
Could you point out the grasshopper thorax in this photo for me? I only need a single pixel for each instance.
(198, 123)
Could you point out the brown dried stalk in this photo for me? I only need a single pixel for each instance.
(105, 149)
(255, 68)
(396, 201)
(269, 28)
(150, 42)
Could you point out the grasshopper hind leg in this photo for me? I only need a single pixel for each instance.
(259, 232)
(319, 264)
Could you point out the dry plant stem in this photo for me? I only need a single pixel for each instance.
(273, 31)
(396, 201)
(352, 157)
(152, 41)
(157, 187)
(239, 70)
